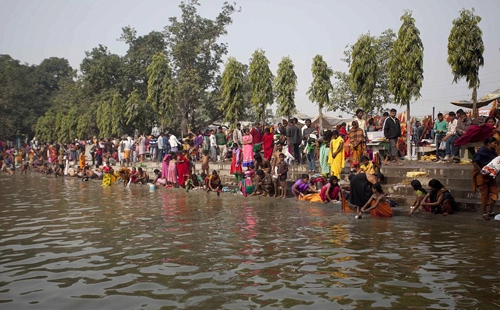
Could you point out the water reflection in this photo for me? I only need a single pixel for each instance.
(71, 244)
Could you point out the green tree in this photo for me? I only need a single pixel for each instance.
(137, 112)
(285, 86)
(196, 54)
(161, 89)
(321, 85)
(465, 51)
(406, 67)
(344, 99)
(261, 81)
(101, 70)
(110, 115)
(363, 71)
(232, 87)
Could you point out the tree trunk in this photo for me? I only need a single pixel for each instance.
(475, 112)
(408, 133)
(320, 115)
(184, 124)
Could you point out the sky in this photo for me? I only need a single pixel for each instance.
(32, 30)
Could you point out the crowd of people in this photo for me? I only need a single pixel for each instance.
(260, 158)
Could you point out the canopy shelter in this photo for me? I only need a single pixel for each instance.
(482, 102)
(329, 122)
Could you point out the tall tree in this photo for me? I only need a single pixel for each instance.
(137, 112)
(363, 71)
(406, 67)
(101, 70)
(465, 51)
(161, 89)
(261, 80)
(232, 87)
(285, 86)
(196, 54)
(321, 85)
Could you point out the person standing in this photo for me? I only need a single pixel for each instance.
(336, 154)
(174, 143)
(247, 148)
(483, 181)
(161, 151)
(294, 139)
(440, 129)
(309, 150)
(221, 140)
(360, 120)
(392, 132)
(213, 145)
(451, 136)
(268, 143)
(357, 143)
(237, 135)
(256, 133)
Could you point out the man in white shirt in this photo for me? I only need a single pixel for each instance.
(213, 145)
(174, 143)
(126, 150)
(360, 120)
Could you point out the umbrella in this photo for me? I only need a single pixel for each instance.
(482, 102)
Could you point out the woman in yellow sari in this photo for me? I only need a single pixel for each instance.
(336, 154)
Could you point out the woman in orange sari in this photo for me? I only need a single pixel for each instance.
(357, 143)
(377, 205)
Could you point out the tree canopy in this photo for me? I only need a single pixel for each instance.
(465, 51)
(261, 81)
(285, 86)
(363, 71)
(321, 85)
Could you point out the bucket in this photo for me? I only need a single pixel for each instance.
(152, 187)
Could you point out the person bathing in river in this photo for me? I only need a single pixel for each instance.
(483, 180)
(302, 187)
(330, 191)
(440, 199)
(214, 183)
(377, 205)
(421, 195)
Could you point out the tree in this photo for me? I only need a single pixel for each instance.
(321, 86)
(465, 51)
(232, 86)
(196, 54)
(261, 80)
(101, 70)
(344, 99)
(161, 89)
(363, 71)
(285, 86)
(406, 67)
(110, 115)
(137, 112)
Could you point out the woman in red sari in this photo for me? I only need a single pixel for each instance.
(268, 140)
(182, 168)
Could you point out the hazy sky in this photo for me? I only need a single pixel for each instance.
(32, 30)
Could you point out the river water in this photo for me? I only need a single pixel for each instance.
(68, 244)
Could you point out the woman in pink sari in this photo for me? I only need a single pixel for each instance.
(164, 166)
(247, 141)
(172, 170)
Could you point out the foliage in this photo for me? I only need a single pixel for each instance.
(465, 50)
(261, 80)
(321, 86)
(406, 67)
(196, 52)
(109, 115)
(137, 112)
(161, 89)
(285, 86)
(363, 71)
(232, 86)
(344, 99)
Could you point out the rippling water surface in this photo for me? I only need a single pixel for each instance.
(67, 244)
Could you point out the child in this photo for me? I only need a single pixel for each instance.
(377, 206)
(330, 191)
(214, 183)
(204, 162)
(366, 165)
(281, 176)
(421, 195)
(302, 187)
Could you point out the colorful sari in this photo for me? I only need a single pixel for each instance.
(337, 163)
(357, 146)
(247, 151)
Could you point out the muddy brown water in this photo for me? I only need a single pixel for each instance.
(68, 244)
